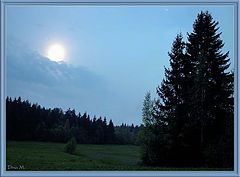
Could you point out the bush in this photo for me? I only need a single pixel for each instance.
(70, 146)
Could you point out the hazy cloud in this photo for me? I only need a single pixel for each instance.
(34, 77)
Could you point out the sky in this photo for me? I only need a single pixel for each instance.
(114, 54)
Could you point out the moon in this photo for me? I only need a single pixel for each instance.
(56, 52)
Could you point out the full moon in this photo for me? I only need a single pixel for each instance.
(56, 52)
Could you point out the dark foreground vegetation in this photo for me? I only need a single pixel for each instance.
(43, 156)
(190, 123)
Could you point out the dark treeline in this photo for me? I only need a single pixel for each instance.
(32, 122)
(127, 134)
(190, 123)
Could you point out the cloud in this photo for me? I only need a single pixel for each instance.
(51, 84)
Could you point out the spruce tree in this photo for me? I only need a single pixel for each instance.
(212, 99)
(194, 112)
(163, 136)
(172, 91)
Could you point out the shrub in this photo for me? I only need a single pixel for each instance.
(70, 146)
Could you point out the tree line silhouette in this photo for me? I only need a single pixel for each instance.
(190, 123)
(32, 122)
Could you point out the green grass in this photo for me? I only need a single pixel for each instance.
(39, 156)
(50, 156)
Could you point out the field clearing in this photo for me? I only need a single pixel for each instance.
(50, 156)
(42, 156)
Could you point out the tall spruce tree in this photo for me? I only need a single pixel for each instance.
(212, 99)
(194, 112)
(165, 132)
(175, 93)
(171, 91)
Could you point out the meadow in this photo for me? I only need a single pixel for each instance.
(42, 156)
(50, 156)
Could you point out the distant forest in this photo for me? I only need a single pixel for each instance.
(32, 122)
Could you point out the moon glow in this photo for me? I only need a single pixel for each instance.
(56, 52)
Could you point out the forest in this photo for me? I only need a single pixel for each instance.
(32, 122)
(190, 123)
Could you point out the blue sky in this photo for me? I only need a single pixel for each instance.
(115, 54)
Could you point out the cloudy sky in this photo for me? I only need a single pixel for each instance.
(112, 56)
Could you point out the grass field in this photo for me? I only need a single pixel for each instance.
(41, 156)
(50, 156)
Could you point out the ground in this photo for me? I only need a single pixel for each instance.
(35, 156)
(51, 156)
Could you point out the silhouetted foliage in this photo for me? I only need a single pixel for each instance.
(126, 134)
(192, 118)
(26, 121)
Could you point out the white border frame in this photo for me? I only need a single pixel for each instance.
(236, 55)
